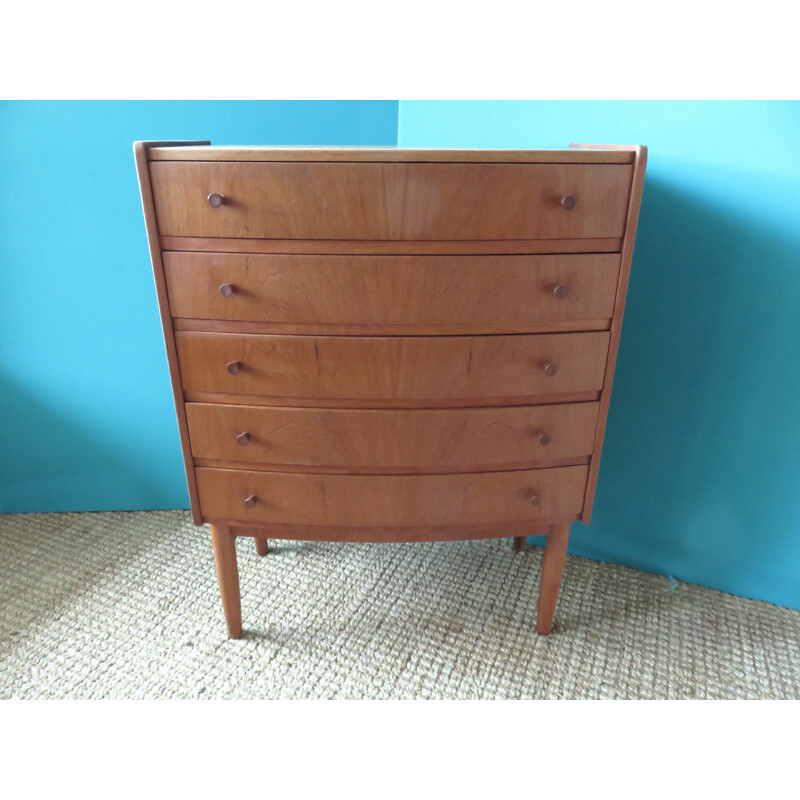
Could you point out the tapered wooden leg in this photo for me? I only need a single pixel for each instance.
(555, 550)
(519, 544)
(262, 545)
(224, 543)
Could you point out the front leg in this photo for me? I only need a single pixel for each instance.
(555, 551)
(224, 543)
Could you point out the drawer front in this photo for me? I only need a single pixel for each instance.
(392, 368)
(463, 439)
(391, 500)
(419, 201)
(392, 290)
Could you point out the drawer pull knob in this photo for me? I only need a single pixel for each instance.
(243, 439)
(543, 437)
(226, 289)
(234, 367)
(250, 501)
(215, 200)
(550, 369)
(534, 499)
(560, 291)
(568, 202)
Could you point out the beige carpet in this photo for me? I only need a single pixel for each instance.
(125, 605)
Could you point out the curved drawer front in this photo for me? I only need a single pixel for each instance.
(373, 201)
(464, 439)
(391, 500)
(392, 290)
(392, 368)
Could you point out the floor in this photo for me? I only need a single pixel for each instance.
(125, 605)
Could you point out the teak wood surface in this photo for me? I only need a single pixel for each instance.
(392, 312)
(394, 501)
(396, 368)
(391, 403)
(390, 201)
(354, 247)
(555, 551)
(443, 440)
(376, 533)
(632, 221)
(506, 292)
(599, 154)
(140, 151)
(387, 329)
(224, 543)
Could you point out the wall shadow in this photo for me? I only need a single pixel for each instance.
(701, 464)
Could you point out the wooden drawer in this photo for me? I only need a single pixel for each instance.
(462, 439)
(392, 368)
(376, 201)
(390, 501)
(501, 291)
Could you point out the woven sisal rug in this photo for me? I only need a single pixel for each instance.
(125, 605)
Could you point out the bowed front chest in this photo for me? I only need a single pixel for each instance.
(387, 345)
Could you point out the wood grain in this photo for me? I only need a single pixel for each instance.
(381, 533)
(343, 329)
(262, 466)
(397, 368)
(390, 201)
(387, 403)
(505, 292)
(392, 500)
(140, 150)
(608, 155)
(632, 221)
(210, 244)
(555, 551)
(392, 313)
(224, 544)
(469, 439)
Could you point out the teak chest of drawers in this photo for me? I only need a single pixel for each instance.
(383, 345)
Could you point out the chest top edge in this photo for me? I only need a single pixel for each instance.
(596, 154)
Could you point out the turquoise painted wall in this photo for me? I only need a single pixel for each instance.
(700, 477)
(88, 421)
(701, 467)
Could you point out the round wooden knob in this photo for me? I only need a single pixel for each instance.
(550, 369)
(234, 367)
(534, 499)
(226, 289)
(568, 202)
(250, 501)
(215, 200)
(243, 439)
(560, 291)
(543, 437)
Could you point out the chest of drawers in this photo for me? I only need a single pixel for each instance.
(383, 345)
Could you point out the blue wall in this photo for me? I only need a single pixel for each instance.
(700, 477)
(88, 421)
(701, 466)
